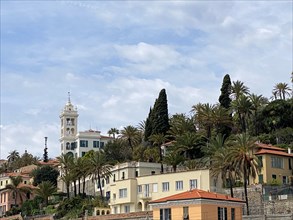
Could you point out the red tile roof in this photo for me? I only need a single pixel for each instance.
(269, 147)
(273, 152)
(197, 194)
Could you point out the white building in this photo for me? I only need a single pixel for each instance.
(133, 184)
(74, 142)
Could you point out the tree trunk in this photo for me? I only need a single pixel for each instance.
(74, 185)
(67, 190)
(245, 189)
(83, 186)
(100, 186)
(231, 185)
(78, 186)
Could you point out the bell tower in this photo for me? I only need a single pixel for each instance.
(68, 121)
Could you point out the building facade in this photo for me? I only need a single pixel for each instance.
(276, 165)
(133, 185)
(197, 205)
(74, 142)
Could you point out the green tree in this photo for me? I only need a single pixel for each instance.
(190, 144)
(180, 124)
(117, 151)
(113, 132)
(45, 190)
(160, 114)
(99, 168)
(158, 140)
(148, 126)
(173, 158)
(244, 160)
(16, 188)
(66, 163)
(45, 173)
(225, 102)
(281, 90)
(238, 89)
(131, 135)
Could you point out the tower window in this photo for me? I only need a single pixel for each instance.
(83, 143)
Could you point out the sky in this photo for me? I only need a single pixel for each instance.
(114, 57)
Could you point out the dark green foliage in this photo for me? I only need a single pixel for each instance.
(160, 114)
(31, 207)
(45, 173)
(276, 115)
(117, 151)
(148, 126)
(225, 102)
(74, 206)
(224, 99)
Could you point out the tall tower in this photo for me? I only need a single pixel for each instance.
(68, 118)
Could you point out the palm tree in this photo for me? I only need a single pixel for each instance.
(13, 156)
(45, 190)
(204, 116)
(113, 132)
(257, 103)
(131, 135)
(66, 164)
(173, 158)
(238, 89)
(16, 188)
(158, 140)
(222, 165)
(242, 107)
(179, 124)
(99, 168)
(282, 89)
(244, 160)
(190, 144)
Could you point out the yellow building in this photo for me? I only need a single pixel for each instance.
(134, 184)
(197, 205)
(276, 165)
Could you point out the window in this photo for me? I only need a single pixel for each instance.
(165, 186)
(1, 183)
(179, 185)
(123, 193)
(232, 213)
(108, 194)
(146, 190)
(193, 184)
(165, 214)
(274, 176)
(96, 144)
(284, 179)
(102, 145)
(290, 163)
(83, 143)
(260, 164)
(126, 208)
(139, 189)
(155, 187)
(72, 145)
(114, 178)
(115, 210)
(136, 173)
(185, 213)
(103, 183)
(277, 162)
(83, 153)
(107, 180)
(222, 213)
(123, 175)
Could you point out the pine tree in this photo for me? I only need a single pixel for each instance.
(225, 102)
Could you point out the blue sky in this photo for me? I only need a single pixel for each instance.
(115, 57)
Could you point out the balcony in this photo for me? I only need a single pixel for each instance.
(145, 196)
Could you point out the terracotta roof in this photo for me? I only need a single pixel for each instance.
(273, 152)
(17, 174)
(50, 162)
(197, 194)
(269, 147)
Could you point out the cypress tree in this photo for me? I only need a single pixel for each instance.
(225, 102)
(160, 114)
(148, 126)
(224, 99)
